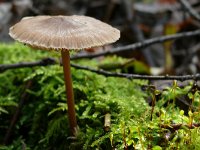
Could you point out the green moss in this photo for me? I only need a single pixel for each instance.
(43, 121)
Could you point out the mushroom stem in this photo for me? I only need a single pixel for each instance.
(69, 91)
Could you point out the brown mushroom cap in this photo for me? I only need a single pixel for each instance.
(63, 32)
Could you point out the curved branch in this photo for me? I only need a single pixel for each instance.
(43, 62)
(137, 76)
(139, 45)
(103, 72)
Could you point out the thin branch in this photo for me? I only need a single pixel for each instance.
(102, 72)
(137, 76)
(43, 62)
(190, 10)
(139, 45)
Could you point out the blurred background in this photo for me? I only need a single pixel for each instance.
(137, 20)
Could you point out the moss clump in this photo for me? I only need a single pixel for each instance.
(43, 121)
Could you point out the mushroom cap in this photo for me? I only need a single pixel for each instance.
(63, 32)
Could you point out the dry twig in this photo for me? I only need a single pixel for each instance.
(43, 62)
(137, 76)
(139, 45)
(103, 72)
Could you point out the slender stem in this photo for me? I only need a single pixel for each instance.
(69, 91)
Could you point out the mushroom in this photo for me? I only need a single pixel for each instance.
(64, 33)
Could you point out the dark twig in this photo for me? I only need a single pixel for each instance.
(15, 117)
(137, 76)
(190, 10)
(110, 74)
(139, 45)
(43, 62)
